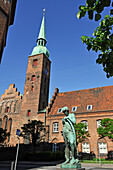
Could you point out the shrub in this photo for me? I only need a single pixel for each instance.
(43, 156)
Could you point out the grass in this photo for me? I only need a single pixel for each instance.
(101, 161)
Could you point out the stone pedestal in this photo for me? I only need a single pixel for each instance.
(69, 166)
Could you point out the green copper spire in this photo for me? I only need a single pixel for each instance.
(42, 29)
(41, 41)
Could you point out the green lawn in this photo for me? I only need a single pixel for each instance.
(101, 161)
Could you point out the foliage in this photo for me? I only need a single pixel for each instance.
(81, 132)
(3, 135)
(33, 129)
(93, 8)
(102, 39)
(106, 129)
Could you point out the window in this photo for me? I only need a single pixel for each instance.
(55, 147)
(85, 147)
(55, 127)
(27, 139)
(74, 109)
(85, 123)
(6, 123)
(98, 123)
(32, 88)
(89, 107)
(33, 78)
(10, 121)
(35, 62)
(59, 110)
(28, 113)
(7, 109)
(103, 147)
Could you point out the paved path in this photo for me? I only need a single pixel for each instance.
(51, 166)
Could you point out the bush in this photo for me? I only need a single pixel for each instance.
(85, 156)
(43, 156)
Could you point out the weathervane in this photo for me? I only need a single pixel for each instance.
(43, 12)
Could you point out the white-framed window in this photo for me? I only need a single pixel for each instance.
(27, 139)
(55, 127)
(74, 108)
(55, 147)
(85, 147)
(89, 107)
(85, 123)
(59, 110)
(98, 123)
(102, 147)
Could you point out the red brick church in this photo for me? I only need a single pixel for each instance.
(89, 106)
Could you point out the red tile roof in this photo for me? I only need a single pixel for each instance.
(100, 98)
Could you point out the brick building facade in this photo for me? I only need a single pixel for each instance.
(7, 13)
(89, 106)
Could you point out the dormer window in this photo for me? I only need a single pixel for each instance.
(89, 107)
(74, 108)
(59, 110)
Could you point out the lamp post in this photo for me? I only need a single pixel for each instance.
(17, 133)
(99, 151)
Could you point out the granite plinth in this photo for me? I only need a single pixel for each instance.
(69, 166)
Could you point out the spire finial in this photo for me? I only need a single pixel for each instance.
(43, 12)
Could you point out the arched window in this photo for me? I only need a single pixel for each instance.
(103, 148)
(27, 139)
(85, 147)
(85, 123)
(98, 123)
(55, 147)
(35, 62)
(33, 78)
(55, 127)
(55, 144)
(32, 88)
(28, 113)
(9, 130)
(6, 123)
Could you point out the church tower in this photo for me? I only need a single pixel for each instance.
(36, 90)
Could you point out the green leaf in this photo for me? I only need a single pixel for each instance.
(107, 2)
(89, 47)
(83, 38)
(79, 15)
(89, 3)
(97, 16)
(90, 14)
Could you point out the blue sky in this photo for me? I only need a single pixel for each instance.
(73, 67)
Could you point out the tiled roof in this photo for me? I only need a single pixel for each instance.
(100, 98)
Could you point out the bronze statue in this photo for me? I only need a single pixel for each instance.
(69, 136)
